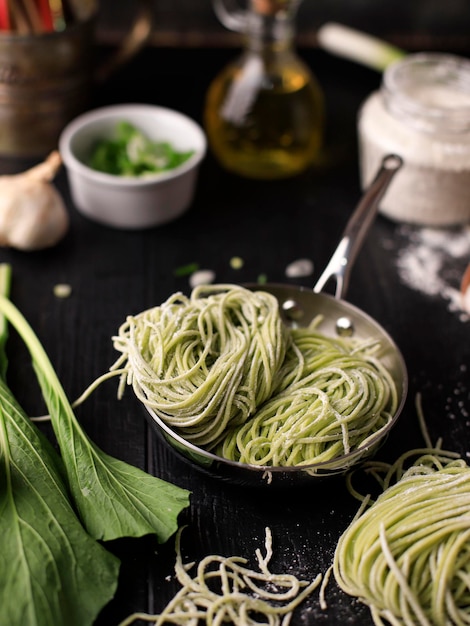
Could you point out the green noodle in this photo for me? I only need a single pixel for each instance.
(206, 362)
(224, 590)
(223, 371)
(332, 397)
(407, 556)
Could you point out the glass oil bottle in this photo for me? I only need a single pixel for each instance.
(264, 113)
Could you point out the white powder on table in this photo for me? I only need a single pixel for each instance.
(201, 277)
(432, 261)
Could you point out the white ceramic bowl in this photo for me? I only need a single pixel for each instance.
(130, 202)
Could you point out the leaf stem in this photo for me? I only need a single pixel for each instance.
(5, 285)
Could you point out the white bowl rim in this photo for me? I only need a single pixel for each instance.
(119, 111)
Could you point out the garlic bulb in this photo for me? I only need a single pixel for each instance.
(32, 212)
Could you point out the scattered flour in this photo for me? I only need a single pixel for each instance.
(433, 262)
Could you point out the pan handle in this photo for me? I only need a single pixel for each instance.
(340, 264)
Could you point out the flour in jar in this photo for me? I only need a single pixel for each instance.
(422, 113)
(433, 261)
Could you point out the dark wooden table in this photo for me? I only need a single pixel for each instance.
(114, 273)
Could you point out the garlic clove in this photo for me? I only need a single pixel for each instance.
(46, 170)
(33, 215)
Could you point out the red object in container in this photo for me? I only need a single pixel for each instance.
(44, 9)
(5, 23)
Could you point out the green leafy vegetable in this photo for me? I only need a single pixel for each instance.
(131, 153)
(113, 498)
(51, 571)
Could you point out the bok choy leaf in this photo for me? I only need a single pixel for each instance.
(113, 498)
(52, 572)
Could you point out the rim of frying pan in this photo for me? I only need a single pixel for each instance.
(336, 463)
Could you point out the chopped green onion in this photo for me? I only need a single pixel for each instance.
(131, 153)
(236, 262)
(358, 46)
(186, 270)
(62, 290)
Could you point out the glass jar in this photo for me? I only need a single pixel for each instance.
(422, 113)
(264, 111)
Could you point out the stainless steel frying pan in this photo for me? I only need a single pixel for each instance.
(299, 306)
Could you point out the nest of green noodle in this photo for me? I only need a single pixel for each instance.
(221, 368)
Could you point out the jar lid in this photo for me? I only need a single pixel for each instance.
(431, 91)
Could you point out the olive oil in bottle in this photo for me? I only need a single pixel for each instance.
(264, 114)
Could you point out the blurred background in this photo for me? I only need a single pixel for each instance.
(413, 25)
